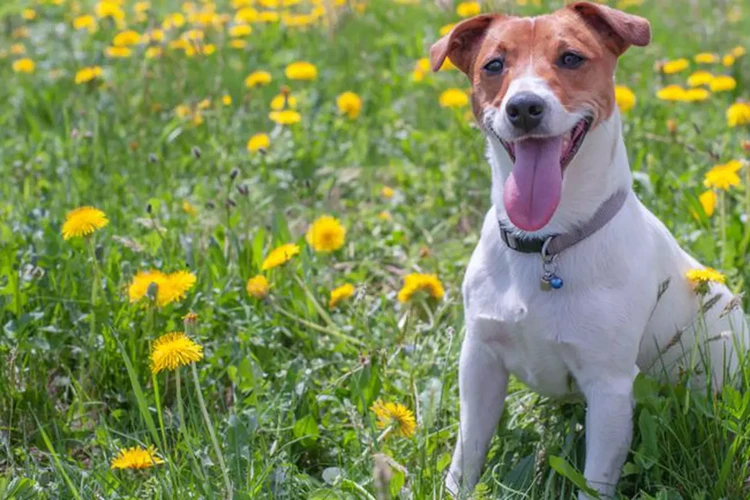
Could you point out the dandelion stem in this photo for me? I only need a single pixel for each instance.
(157, 400)
(723, 226)
(211, 432)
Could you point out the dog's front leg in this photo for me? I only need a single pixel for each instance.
(483, 383)
(609, 431)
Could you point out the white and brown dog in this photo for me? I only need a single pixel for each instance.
(573, 278)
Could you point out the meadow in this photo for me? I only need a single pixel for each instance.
(233, 233)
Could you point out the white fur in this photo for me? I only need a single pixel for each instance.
(601, 328)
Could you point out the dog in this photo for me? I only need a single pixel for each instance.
(574, 287)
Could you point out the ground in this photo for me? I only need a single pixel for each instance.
(150, 113)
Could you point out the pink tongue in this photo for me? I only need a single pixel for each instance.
(532, 192)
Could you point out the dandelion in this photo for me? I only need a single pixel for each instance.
(671, 93)
(722, 83)
(676, 66)
(625, 98)
(723, 176)
(28, 14)
(87, 22)
(109, 8)
(85, 75)
(286, 117)
(17, 49)
(706, 58)
(279, 255)
(189, 209)
(739, 51)
(83, 221)
(118, 52)
(395, 416)
(257, 79)
(387, 192)
(447, 65)
(738, 114)
(454, 98)
(169, 287)
(445, 29)
(326, 234)
(695, 95)
(728, 60)
(340, 293)
(226, 100)
(258, 142)
(268, 16)
(416, 282)
(468, 9)
(237, 44)
(136, 458)
(349, 104)
(301, 70)
(174, 350)
(701, 278)
(24, 65)
(699, 78)
(708, 202)
(384, 216)
(240, 30)
(257, 286)
(283, 100)
(153, 52)
(126, 38)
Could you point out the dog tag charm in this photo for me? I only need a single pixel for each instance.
(550, 279)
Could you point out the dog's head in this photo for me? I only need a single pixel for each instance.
(538, 86)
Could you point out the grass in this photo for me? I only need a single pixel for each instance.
(286, 383)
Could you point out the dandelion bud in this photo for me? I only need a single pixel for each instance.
(196, 152)
(210, 205)
(746, 146)
(149, 208)
(190, 321)
(234, 173)
(74, 133)
(99, 253)
(153, 158)
(152, 291)
(242, 189)
(231, 203)
(672, 126)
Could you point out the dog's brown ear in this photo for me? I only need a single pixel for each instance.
(620, 28)
(461, 44)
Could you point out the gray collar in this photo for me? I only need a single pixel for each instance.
(555, 244)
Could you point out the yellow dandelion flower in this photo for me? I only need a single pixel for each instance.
(117, 52)
(723, 176)
(676, 66)
(340, 293)
(208, 49)
(739, 51)
(153, 52)
(723, 83)
(444, 30)
(286, 117)
(280, 255)
(87, 74)
(257, 287)
(204, 104)
(28, 14)
(728, 60)
(141, 7)
(109, 8)
(268, 16)
(468, 9)
(695, 95)
(454, 98)
(258, 142)
(126, 38)
(237, 44)
(87, 22)
(189, 209)
(17, 49)
(174, 350)
(83, 221)
(24, 65)
(326, 234)
(282, 101)
(417, 282)
(136, 458)
(387, 192)
(240, 30)
(701, 278)
(384, 215)
(395, 416)
(671, 93)
(349, 104)
(699, 78)
(301, 70)
(246, 15)
(169, 287)
(625, 98)
(706, 58)
(257, 79)
(738, 114)
(447, 65)
(226, 100)
(708, 202)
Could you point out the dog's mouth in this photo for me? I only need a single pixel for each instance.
(572, 140)
(532, 191)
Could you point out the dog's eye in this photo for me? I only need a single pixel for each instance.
(570, 60)
(494, 67)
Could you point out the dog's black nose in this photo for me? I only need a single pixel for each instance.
(525, 111)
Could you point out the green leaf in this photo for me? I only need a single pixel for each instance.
(398, 479)
(648, 450)
(443, 461)
(306, 430)
(562, 467)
